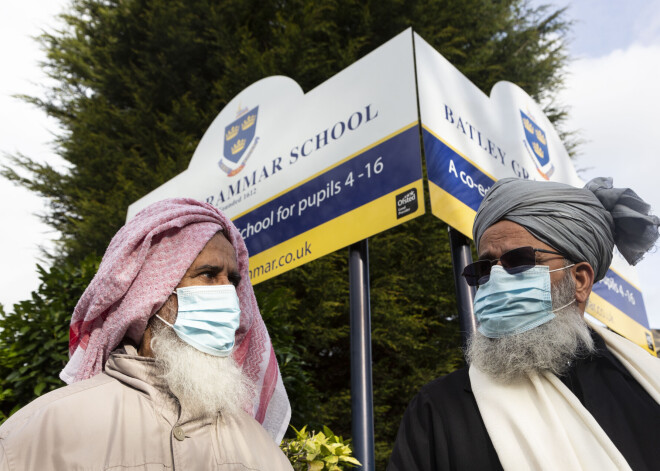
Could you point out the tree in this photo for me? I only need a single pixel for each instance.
(139, 81)
(34, 339)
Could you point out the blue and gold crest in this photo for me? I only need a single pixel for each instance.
(537, 146)
(237, 139)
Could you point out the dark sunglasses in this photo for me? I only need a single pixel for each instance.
(521, 259)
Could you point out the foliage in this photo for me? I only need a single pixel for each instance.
(275, 306)
(139, 81)
(323, 451)
(34, 338)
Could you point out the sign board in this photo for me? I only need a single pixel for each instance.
(472, 140)
(302, 175)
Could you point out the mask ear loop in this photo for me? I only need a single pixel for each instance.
(167, 323)
(564, 306)
(562, 268)
(558, 269)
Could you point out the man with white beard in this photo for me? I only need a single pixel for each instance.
(171, 365)
(544, 390)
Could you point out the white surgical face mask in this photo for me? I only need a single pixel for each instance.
(208, 318)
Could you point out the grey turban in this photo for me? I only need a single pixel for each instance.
(584, 224)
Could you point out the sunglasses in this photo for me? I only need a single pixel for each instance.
(516, 260)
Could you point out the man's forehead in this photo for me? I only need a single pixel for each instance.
(217, 249)
(504, 236)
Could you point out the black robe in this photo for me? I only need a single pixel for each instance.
(443, 430)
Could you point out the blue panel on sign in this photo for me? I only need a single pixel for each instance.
(451, 172)
(622, 295)
(364, 178)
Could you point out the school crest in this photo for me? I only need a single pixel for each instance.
(238, 141)
(536, 144)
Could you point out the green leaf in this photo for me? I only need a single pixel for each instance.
(332, 459)
(38, 389)
(326, 450)
(328, 433)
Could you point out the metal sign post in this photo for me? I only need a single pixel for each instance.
(461, 256)
(361, 383)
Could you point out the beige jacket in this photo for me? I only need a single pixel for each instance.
(125, 419)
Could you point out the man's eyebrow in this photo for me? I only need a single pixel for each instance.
(212, 268)
(487, 256)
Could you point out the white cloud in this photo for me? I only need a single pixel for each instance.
(25, 129)
(647, 24)
(614, 100)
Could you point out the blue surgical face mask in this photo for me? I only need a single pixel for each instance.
(208, 318)
(514, 302)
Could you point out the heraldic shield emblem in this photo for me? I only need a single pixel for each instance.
(237, 139)
(537, 146)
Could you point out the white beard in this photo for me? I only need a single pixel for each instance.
(549, 347)
(203, 384)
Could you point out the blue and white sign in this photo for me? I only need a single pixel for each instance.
(537, 146)
(302, 175)
(239, 135)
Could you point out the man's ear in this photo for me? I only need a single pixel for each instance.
(168, 311)
(584, 281)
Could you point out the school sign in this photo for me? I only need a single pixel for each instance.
(302, 175)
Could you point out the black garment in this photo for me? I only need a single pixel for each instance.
(442, 428)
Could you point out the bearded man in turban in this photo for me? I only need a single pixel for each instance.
(544, 390)
(171, 365)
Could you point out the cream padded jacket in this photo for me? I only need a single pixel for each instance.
(124, 419)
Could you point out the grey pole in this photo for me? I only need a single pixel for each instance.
(361, 385)
(461, 256)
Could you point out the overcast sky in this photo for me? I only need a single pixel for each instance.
(612, 89)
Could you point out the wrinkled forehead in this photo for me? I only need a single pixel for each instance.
(506, 235)
(219, 248)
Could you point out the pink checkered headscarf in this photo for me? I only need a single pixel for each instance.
(144, 262)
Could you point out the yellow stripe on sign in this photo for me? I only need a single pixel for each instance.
(620, 323)
(451, 210)
(360, 223)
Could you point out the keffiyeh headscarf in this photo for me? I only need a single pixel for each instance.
(584, 224)
(143, 264)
